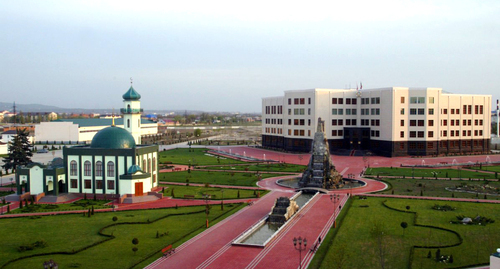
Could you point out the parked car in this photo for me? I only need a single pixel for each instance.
(43, 151)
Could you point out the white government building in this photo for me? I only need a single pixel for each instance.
(115, 163)
(393, 121)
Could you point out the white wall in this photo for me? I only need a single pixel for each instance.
(56, 131)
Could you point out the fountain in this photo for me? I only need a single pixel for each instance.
(320, 173)
(230, 152)
(454, 162)
(488, 160)
(264, 156)
(267, 228)
(244, 154)
(423, 162)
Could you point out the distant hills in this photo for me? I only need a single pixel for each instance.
(45, 108)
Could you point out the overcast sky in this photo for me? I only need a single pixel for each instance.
(227, 55)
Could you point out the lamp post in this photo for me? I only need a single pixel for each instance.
(222, 205)
(299, 247)
(207, 210)
(413, 172)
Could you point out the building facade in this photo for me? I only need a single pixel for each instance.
(394, 121)
(114, 164)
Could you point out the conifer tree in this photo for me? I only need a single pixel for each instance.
(20, 151)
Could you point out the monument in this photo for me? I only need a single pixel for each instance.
(320, 172)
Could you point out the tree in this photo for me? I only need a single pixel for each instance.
(404, 225)
(115, 218)
(20, 151)
(197, 132)
(407, 207)
(134, 249)
(438, 254)
(135, 241)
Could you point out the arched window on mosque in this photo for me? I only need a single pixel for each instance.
(73, 168)
(98, 169)
(149, 165)
(87, 170)
(128, 123)
(111, 169)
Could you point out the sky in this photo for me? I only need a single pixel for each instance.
(227, 55)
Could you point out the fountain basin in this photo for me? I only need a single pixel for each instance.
(263, 232)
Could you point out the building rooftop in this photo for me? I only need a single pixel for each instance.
(99, 122)
(113, 138)
(131, 95)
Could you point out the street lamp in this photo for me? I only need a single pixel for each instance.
(413, 172)
(334, 198)
(299, 247)
(222, 205)
(207, 210)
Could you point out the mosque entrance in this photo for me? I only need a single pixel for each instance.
(138, 189)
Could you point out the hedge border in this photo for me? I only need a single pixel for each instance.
(412, 248)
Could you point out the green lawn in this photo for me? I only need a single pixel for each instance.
(195, 156)
(432, 187)
(215, 193)
(77, 205)
(495, 168)
(275, 167)
(215, 178)
(370, 229)
(73, 233)
(427, 172)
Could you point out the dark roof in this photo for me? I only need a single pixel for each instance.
(131, 95)
(10, 132)
(99, 122)
(113, 138)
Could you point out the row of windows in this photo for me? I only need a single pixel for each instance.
(274, 131)
(299, 101)
(87, 168)
(348, 122)
(348, 101)
(299, 132)
(337, 132)
(467, 109)
(366, 111)
(87, 184)
(274, 109)
(444, 133)
(374, 100)
(464, 122)
(274, 121)
(340, 111)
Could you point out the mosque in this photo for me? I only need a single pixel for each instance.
(115, 164)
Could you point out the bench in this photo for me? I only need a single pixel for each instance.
(168, 250)
(188, 196)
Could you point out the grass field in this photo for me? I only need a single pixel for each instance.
(427, 172)
(215, 193)
(195, 156)
(489, 168)
(437, 188)
(73, 233)
(219, 178)
(371, 233)
(275, 167)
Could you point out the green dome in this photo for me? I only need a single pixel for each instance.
(113, 138)
(131, 95)
(133, 169)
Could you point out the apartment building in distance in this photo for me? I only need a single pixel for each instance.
(393, 121)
